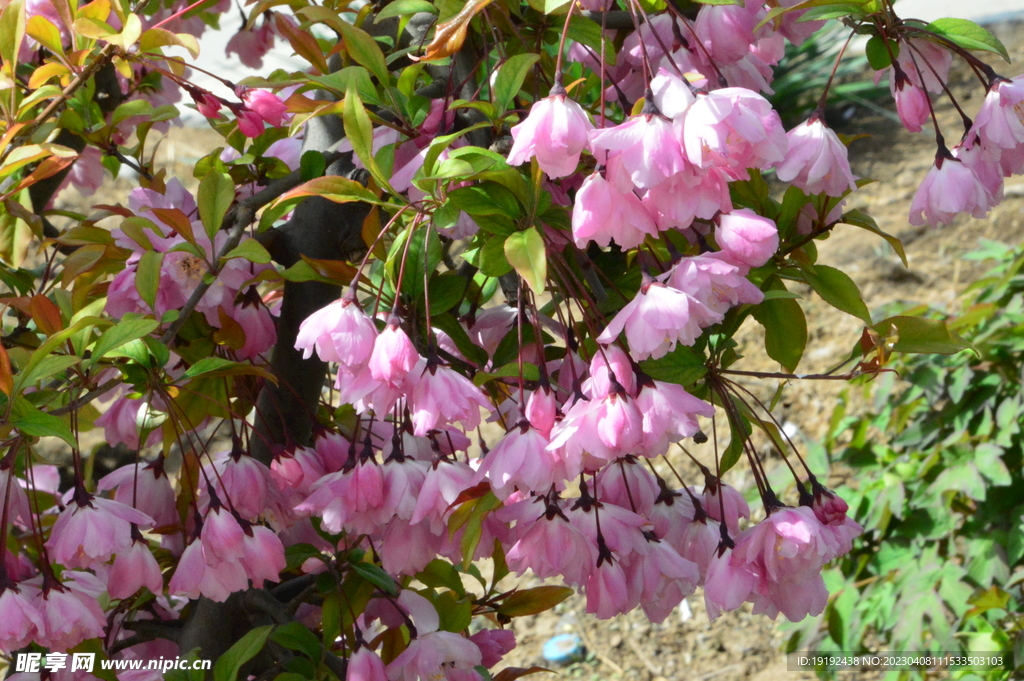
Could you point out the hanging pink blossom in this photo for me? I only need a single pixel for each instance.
(817, 161)
(949, 188)
(747, 238)
(555, 132)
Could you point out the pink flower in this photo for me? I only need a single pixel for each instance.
(133, 569)
(148, 485)
(714, 281)
(521, 460)
(732, 501)
(257, 323)
(658, 318)
(365, 665)
(262, 555)
(838, 529)
(608, 592)
(604, 214)
(551, 546)
(87, 172)
(194, 577)
(649, 147)
(493, 644)
(817, 161)
(670, 414)
(71, 613)
(925, 63)
(442, 395)
(610, 366)
(747, 238)
(340, 332)
(350, 499)
(727, 31)
(266, 105)
(393, 355)
(251, 46)
(949, 188)
(998, 121)
(17, 503)
(734, 128)
(667, 579)
(437, 654)
(222, 537)
(785, 551)
(91, 530)
(542, 409)
(603, 429)
(792, 28)
(249, 123)
(21, 622)
(728, 583)
(628, 483)
(555, 132)
(984, 162)
(911, 102)
(121, 421)
(208, 104)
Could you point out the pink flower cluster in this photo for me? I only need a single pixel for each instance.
(185, 260)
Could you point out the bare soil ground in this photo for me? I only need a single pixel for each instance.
(739, 645)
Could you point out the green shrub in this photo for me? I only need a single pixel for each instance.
(935, 458)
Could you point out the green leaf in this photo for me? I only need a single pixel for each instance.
(31, 421)
(364, 50)
(119, 334)
(376, 576)
(683, 365)
(49, 366)
(312, 165)
(785, 327)
(216, 194)
(250, 250)
(486, 198)
(588, 32)
(441, 573)
(510, 370)
(968, 35)
(445, 291)
(359, 132)
(861, 219)
(12, 31)
(416, 260)
(147, 276)
(533, 601)
(740, 430)
(453, 615)
(920, 335)
(878, 54)
(472, 351)
(404, 7)
(331, 187)
(837, 289)
(526, 253)
(510, 79)
(246, 648)
(491, 258)
(295, 636)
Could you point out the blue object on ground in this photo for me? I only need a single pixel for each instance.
(563, 649)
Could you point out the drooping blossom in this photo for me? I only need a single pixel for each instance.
(658, 318)
(603, 213)
(134, 568)
(555, 132)
(340, 332)
(441, 395)
(817, 161)
(747, 238)
(21, 622)
(648, 147)
(949, 188)
(91, 529)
